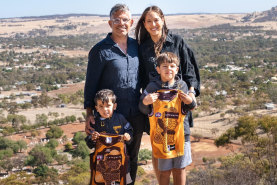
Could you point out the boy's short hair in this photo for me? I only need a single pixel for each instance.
(105, 95)
(167, 57)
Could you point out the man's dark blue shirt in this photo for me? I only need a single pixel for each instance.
(110, 68)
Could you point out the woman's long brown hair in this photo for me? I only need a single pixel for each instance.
(142, 34)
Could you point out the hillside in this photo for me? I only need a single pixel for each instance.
(265, 16)
(58, 25)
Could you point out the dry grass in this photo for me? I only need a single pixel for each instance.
(95, 24)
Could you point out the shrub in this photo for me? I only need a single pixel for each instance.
(140, 171)
(144, 154)
(54, 132)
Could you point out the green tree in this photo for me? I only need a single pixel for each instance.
(68, 146)
(54, 132)
(44, 99)
(259, 138)
(6, 153)
(46, 174)
(144, 154)
(78, 137)
(13, 108)
(81, 150)
(61, 159)
(79, 166)
(52, 143)
(41, 119)
(39, 155)
(72, 118)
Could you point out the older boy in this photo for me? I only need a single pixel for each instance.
(168, 124)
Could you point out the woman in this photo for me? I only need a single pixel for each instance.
(154, 38)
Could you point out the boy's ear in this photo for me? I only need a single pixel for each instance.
(96, 108)
(158, 69)
(114, 106)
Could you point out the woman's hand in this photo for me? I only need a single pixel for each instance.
(150, 98)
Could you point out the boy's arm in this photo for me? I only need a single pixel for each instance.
(127, 128)
(146, 109)
(192, 105)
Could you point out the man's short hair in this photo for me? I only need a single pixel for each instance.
(105, 95)
(167, 57)
(119, 7)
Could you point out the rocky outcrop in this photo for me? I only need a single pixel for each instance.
(265, 16)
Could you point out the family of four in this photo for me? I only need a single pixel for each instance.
(151, 82)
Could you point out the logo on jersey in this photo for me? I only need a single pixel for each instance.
(117, 129)
(158, 114)
(99, 157)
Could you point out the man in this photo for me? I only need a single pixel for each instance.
(113, 64)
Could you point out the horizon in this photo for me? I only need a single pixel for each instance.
(35, 8)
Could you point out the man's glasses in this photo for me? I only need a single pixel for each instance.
(118, 20)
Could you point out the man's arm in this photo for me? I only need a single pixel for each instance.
(89, 119)
(94, 71)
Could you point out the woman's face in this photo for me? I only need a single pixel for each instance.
(153, 23)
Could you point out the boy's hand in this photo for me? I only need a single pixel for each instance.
(126, 137)
(150, 98)
(185, 98)
(94, 135)
(193, 97)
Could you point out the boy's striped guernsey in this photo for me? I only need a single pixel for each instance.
(167, 125)
(109, 161)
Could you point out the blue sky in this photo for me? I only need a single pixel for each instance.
(19, 8)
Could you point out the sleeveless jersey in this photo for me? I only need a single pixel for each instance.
(109, 161)
(167, 125)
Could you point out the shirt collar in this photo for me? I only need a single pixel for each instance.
(109, 40)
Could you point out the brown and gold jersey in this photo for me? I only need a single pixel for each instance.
(167, 125)
(109, 161)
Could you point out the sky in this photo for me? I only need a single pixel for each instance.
(23, 8)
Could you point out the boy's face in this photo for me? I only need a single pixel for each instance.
(167, 71)
(105, 109)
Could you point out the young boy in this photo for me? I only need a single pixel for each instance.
(109, 146)
(166, 103)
